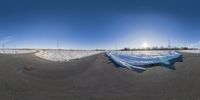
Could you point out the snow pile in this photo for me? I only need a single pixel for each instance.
(139, 60)
(16, 51)
(190, 51)
(64, 55)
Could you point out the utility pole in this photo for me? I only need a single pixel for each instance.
(116, 47)
(3, 47)
(57, 45)
(169, 44)
(15, 49)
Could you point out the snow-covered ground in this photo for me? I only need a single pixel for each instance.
(64, 55)
(16, 51)
(191, 51)
(139, 60)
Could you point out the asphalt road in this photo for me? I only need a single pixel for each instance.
(27, 77)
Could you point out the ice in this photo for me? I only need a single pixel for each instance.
(141, 59)
(64, 55)
(16, 51)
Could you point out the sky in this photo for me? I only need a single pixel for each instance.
(99, 24)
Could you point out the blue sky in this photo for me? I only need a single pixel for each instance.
(86, 24)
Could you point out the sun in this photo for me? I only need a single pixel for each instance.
(145, 45)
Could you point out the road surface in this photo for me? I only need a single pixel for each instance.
(27, 77)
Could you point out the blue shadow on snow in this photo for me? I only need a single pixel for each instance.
(170, 66)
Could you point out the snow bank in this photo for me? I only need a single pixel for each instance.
(139, 60)
(16, 51)
(190, 51)
(64, 55)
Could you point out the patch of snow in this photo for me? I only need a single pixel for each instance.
(140, 59)
(190, 51)
(16, 51)
(64, 55)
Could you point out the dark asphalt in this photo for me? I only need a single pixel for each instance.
(27, 77)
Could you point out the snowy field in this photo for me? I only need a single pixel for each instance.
(190, 51)
(16, 51)
(64, 55)
(139, 60)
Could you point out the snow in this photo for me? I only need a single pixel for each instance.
(16, 51)
(64, 55)
(190, 51)
(139, 60)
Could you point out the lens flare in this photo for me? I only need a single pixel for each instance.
(145, 45)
